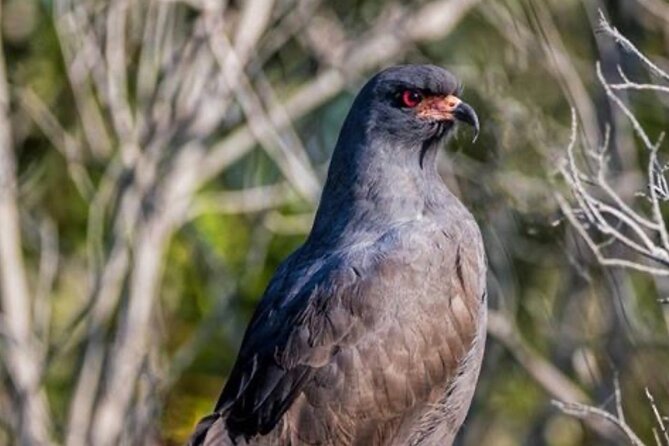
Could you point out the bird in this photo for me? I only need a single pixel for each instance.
(373, 331)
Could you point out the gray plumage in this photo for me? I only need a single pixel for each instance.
(372, 332)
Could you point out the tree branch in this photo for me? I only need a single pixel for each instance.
(22, 358)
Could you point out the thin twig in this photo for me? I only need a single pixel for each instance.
(585, 412)
(658, 416)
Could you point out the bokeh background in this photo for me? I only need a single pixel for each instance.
(159, 158)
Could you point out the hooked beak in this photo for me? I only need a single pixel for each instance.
(449, 108)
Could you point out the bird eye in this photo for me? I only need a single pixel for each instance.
(411, 98)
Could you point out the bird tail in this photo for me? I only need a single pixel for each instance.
(211, 431)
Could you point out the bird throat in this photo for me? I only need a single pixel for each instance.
(377, 188)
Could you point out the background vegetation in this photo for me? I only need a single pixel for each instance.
(159, 158)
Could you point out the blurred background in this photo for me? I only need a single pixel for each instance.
(159, 158)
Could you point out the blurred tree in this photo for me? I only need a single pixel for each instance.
(159, 158)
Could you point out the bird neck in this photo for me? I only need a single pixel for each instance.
(372, 185)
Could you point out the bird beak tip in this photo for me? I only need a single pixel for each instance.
(477, 131)
(465, 113)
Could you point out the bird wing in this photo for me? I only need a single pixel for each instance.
(294, 331)
(354, 306)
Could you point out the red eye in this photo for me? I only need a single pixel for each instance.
(411, 98)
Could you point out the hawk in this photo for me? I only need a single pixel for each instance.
(372, 332)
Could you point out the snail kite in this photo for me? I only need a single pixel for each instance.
(372, 332)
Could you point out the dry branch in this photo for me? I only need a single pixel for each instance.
(611, 217)
(156, 144)
(20, 353)
(608, 222)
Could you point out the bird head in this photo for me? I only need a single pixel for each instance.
(384, 165)
(414, 104)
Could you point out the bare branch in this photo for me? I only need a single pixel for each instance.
(48, 268)
(289, 156)
(542, 371)
(618, 398)
(117, 82)
(131, 344)
(628, 85)
(630, 220)
(433, 20)
(596, 249)
(254, 20)
(241, 202)
(65, 143)
(628, 46)
(586, 412)
(658, 417)
(83, 59)
(22, 358)
(633, 228)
